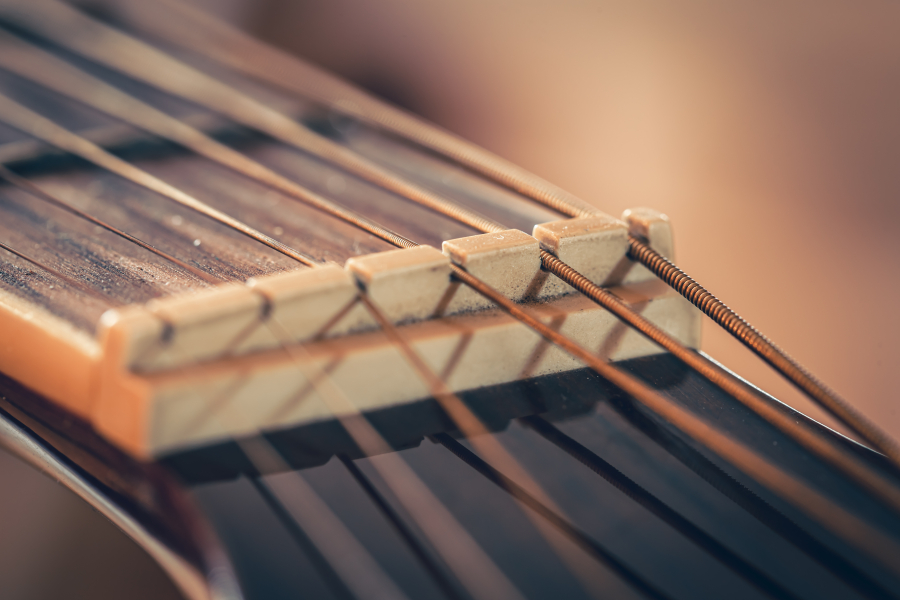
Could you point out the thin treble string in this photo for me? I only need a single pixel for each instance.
(45, 69)
(204, 34)
(29, 187)
(31, 123)
(488, 445)
(469, 563)
(120, 52)
(32, 63)
(655, 506)
(344, 553)
(207, 36)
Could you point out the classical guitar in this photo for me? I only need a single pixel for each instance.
(296, 342)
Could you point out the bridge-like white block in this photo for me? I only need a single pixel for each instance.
(307, 304)
(508, 261)
(407, 285)
(654, 227)
(199, 326)
(595, 246)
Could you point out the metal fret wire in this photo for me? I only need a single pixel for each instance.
(207, 36)
(49, 71)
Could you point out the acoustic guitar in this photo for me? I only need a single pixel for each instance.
(296, 342)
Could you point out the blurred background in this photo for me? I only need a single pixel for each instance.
(768, 131)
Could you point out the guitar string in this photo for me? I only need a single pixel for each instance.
(29, 122)
(106, 46)
(408, 537)
(633, 490)
(207, 36)
(750, 574)
(45, 69)
(766, 349)
(478, 435)
(820, 507)
(748, 500)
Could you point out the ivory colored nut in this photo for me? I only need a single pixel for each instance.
(303, 302)
(653, 226)
(407, 285)
(207, 324)
(595, 246)
(507, 261)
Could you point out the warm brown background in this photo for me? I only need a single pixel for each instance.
(769, 132)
